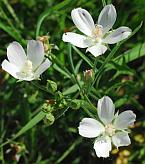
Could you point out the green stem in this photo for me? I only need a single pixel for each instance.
(83, 56)
(41, 87)
(70, 57)
(56, 61)
(83, 95)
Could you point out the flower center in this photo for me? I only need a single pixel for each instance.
(27, 70)
(98, 32)
(110, 129)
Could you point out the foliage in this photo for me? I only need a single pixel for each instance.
(63, 97)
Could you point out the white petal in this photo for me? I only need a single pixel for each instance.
(103, 146)
(90, 128)
(117, 35)
(83, 21)
(28, 78)
(97, 49)
(35, 52)
(125, 119)
(107, 17)
(43, 67)
(16, 54)
(10, 68)
(76, 39)
(106, 109)
(121, 139)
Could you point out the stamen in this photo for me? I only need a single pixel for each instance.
(27, 70)
(98, 32)
(110, 129)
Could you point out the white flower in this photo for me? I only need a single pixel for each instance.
(112, 128)
(97, 36)
(24, 67)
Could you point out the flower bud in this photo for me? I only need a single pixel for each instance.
(43, 39)
(75, 104)
(51, 86)
(58, 96)
(47, 46)
(88, 74)
(88, 79)
(49, 119)
(46, 107)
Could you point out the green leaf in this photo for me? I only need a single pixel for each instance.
(35, 120)
(121, 102)
(77, 67)
(56, 67)
(132, 54)
(69, 150)
(12, 12)
(11, 32)
(72, 89)
(84, 57)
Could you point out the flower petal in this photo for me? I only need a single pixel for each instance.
(121, 139)
(83, 21)
(16, 54)
(106, 109)
(103, 146)
(35, 52)
(97, 49)
(90, 128)
(43, 67)
(107, 18)
(28, 78)
(10, 68)
(76, 39)
(125, 119)
(117, 35)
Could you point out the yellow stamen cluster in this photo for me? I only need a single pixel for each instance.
(27, 69)
(110, 129)
(97, 33)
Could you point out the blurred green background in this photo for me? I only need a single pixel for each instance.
(21, 20)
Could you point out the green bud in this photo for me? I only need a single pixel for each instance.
(58, 96)
(51, 86)
(88, 79)
(89, 75)
(75, 104)
(46, 107)
(49, 119)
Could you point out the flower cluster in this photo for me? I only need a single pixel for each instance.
(109, 127)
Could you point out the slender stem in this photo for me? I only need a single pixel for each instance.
(61, 65)
(88, 112)
(109, 57)
(70, 57)
(40, 87)
(83, 95)
(72, 66)
(83, 56)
